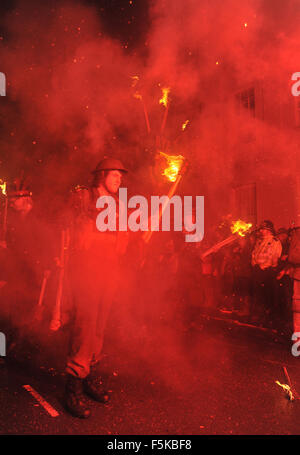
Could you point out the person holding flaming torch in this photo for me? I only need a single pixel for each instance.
(93, 277)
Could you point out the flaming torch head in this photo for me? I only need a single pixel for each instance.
(165, 95)
(135, 80)
(137, 95)
(184, 125)
(240, 227)
(174, 166)
(3, 187)
(287, 390)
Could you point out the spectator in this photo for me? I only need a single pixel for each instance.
(265, 256)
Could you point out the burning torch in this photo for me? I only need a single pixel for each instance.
(238, 227)
(184, 125)
(177, 166)
(291, 393)
(138, 96)
(165, 102)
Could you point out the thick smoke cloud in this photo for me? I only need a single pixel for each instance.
(70, 87)
(71, 82)
(71, 95)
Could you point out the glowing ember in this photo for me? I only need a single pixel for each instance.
(184, 125)
(3, 187)
(137, 95)
(287, 389)
(135, 80)
(240, 227)
(174, 165)
(245, 24)
(164, 99)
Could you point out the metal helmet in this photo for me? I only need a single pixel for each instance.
(109, 164)
(267, 224)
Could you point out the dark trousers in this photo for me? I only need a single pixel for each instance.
(93, 284)
(265, 294)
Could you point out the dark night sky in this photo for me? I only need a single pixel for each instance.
(126, 20)
(71, 97)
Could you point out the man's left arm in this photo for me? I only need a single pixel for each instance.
(277, 252)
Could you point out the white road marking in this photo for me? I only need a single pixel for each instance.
(41, 400)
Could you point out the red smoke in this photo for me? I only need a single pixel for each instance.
(70, 95)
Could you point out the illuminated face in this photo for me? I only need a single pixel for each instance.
(21, 204)
(113, 181)
(265, 232)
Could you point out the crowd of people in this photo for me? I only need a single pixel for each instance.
(252, 279)
(256, 277)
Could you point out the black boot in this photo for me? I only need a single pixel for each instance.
(93, 386)
(75, 401)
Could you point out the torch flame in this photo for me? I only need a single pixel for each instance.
(240, 227)
(137, 95)
(3, 187)
(184, 125)
(164, 99)
(174, 165)
(135, 80)
(287, 389)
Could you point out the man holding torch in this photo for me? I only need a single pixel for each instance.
(93, 275)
